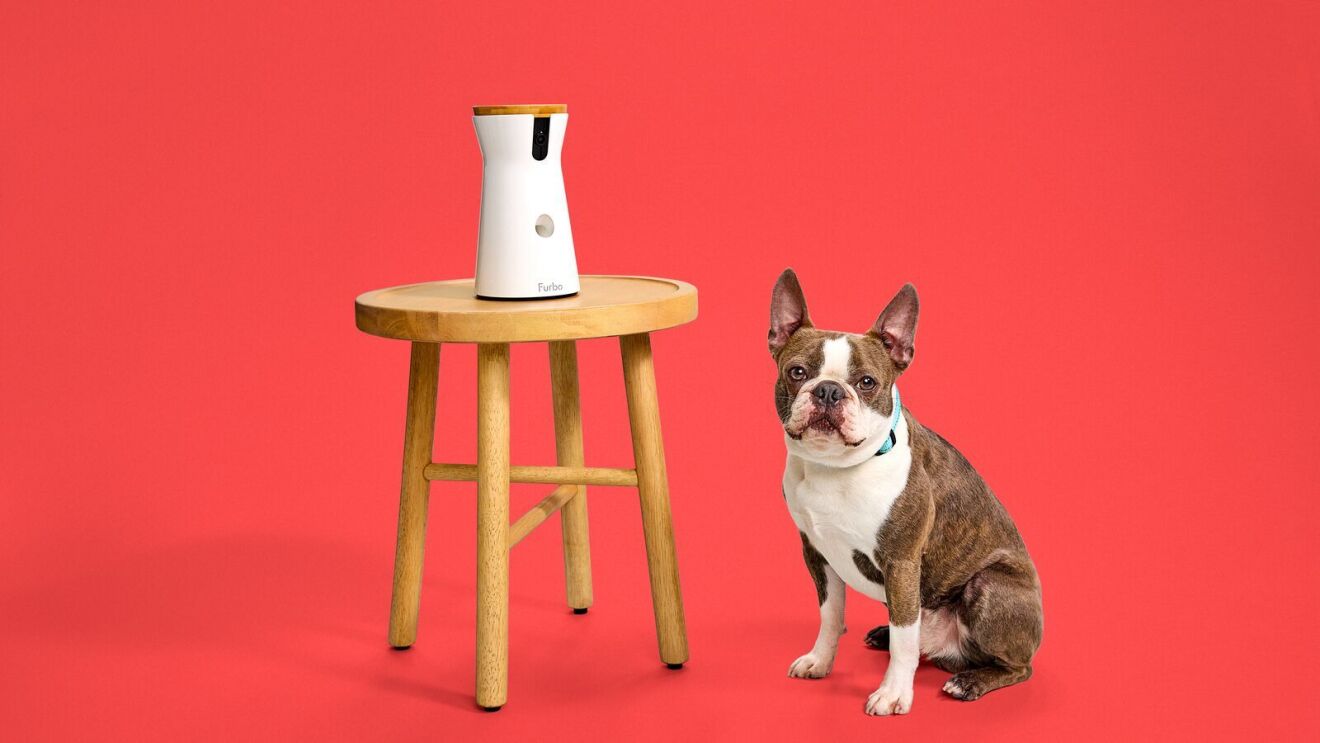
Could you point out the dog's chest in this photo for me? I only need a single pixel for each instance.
(841, 510)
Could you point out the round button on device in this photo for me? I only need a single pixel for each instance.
(545, 226)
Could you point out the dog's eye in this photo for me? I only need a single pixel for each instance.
(797, 373)
(866, 383)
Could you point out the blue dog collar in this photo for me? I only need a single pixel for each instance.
(893, 425)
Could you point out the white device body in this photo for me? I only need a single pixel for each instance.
(525, 242)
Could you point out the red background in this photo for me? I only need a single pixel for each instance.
(1110, 213)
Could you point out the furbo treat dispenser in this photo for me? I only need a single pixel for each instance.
(525, 244)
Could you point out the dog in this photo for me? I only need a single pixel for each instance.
(886, 506)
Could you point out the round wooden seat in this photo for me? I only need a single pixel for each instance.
(449, 312)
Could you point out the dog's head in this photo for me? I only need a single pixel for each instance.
(834, 392)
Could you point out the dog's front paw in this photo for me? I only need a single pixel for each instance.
(890, 699)
(810, 666)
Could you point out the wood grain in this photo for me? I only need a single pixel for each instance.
(569, 453)
(492, 524)
(541, 511)
(449, 312)
(543, 475)
(535, 109)
(418, 435)
(653, 489)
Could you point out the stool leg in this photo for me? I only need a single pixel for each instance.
(653, 487)
(492, 524)
(418, 435)
(568, 451)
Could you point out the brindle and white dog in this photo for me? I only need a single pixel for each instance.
(887, 506)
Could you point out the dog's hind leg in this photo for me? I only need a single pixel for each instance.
(972, 685)
(1001, 609)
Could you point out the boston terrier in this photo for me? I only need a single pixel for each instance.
(887, 506)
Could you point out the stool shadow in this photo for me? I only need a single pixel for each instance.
(313, 604)
(317, 605)
(458, 699)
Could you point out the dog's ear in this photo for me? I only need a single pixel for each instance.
(897, 326)
(788, 310)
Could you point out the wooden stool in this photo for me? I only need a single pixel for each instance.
(629, 307)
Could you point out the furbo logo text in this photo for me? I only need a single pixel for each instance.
(551, 287)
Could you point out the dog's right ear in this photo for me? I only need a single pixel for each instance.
(788, 310)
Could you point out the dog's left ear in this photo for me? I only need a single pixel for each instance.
(897, 326)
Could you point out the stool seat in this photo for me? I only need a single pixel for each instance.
(449, 311)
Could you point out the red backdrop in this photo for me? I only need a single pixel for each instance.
(1110, 213)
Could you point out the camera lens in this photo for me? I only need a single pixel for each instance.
(540, 137)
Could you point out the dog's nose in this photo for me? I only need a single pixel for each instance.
(829, 393)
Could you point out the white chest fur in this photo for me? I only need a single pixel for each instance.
(841, 509)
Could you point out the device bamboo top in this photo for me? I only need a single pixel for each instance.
(448, 311)
(535, 109)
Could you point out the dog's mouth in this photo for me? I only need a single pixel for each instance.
(823, 423)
